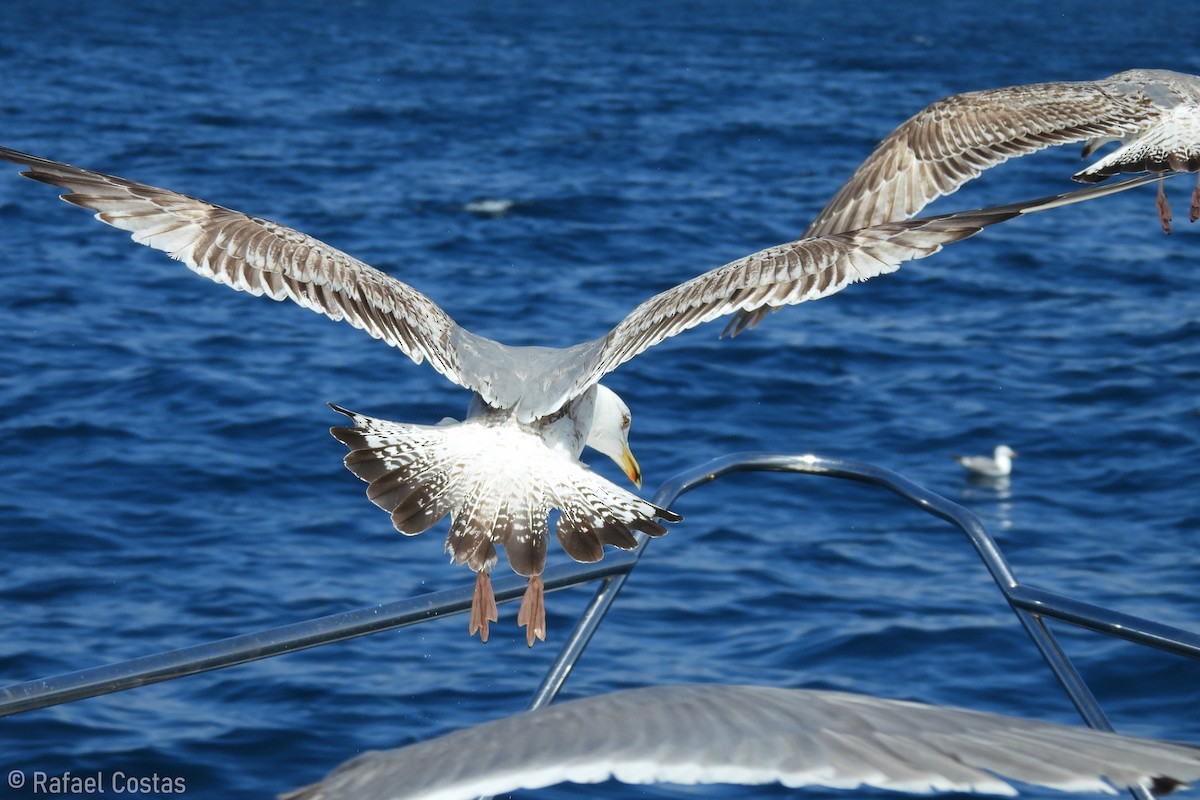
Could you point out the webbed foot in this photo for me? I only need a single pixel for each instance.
(533, 611)
(483, 606)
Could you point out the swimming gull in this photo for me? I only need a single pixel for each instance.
(997, 465)
(689, 734)
(1153, 113)
(515, 457)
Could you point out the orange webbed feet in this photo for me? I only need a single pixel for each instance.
(483, 606)
(533, 611)
(1164, 208)
(1195, 212)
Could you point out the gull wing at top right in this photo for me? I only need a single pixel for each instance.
(1153, 114)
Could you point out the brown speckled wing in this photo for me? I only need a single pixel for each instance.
(260, 257)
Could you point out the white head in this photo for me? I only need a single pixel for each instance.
(610, 432)
(1003, 454)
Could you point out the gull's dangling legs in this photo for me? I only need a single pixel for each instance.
(533, 611)
(1195, 202)
(1164, 208)
(483, 606)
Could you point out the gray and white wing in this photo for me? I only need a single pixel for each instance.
(955, 139)
(260, 257)
(803, 270)
(692, 734)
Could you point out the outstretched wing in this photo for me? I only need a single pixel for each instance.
(261, 257)
(696, 734)
(955, 139)
(806, 269)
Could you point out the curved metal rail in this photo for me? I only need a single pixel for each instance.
(1031, 605)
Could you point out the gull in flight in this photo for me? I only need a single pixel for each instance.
(691, 734)
(515, 458)
(997, 465)
(1154, 114)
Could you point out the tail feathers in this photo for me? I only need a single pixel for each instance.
(1125, 161)
(470, 545)
(416, 507)
(590, 521)
(401, 479)
(499, 485)
(484, 518)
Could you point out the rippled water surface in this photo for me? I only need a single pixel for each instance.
(538, 171)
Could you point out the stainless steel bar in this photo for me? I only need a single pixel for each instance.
(1023, 599)
(1029, 604)
(241, 649)
(1145, 632)
(578, 640)
(1071, 681)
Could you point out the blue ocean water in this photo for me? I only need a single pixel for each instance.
(168, 475)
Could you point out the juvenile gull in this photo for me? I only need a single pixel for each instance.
(515, 458)
(690, 734)
(1154, 114)
(997, 465)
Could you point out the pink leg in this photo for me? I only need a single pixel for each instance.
(1196, 202)
(483, 606)
(533, 611)
(1164, 208)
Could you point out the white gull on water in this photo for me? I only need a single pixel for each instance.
(690, 734)
(997, 465)
(501, 472)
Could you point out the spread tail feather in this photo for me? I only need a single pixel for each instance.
(498, 484)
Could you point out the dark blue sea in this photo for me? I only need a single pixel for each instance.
(169, 478)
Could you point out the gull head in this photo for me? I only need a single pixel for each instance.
(609, 432)
(1003, 456)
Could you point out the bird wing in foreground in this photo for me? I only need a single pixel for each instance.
(1155, 114)
(691, 734)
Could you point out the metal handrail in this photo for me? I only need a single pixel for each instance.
(165, 666)
(1031, 605)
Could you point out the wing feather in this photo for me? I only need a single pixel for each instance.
(957, 138)
(799, 271)
(694, 734)
(262, 258)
